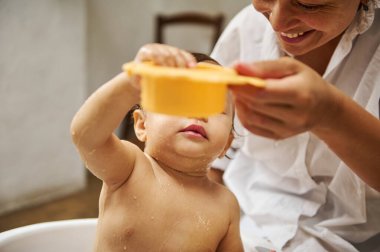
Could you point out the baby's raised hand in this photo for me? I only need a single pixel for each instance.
(165, 55)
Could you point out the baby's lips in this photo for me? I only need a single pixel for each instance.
(197, 129)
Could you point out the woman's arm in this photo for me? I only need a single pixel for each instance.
(354, 135)
(296, 99)
(109, 158)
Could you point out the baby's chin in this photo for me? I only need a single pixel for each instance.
(192, 166)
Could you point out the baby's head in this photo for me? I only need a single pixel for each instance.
(185, 143)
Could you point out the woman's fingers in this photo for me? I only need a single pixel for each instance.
(275, 91)
(273, 69)
(295, 98)
(262, 124)
(281, 117)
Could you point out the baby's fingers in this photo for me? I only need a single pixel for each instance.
(174, 57)
(184, 59)
(165, 55)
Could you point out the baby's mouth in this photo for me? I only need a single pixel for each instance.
(195, 130)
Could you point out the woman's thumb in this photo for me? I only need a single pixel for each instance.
(273, 69)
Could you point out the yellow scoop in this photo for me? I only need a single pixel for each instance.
(192, 92)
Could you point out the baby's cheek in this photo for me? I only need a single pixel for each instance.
(221, 137)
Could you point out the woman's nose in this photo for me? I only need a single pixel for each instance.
(262, 6)
(281, 17)
(279, 13)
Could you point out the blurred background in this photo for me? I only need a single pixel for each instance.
(53, 55)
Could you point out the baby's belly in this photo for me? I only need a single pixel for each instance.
(155, 232)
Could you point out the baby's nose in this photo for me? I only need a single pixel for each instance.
(202, 119)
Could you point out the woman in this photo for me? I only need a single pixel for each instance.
(307, 174)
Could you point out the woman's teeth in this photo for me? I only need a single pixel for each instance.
(291, 35)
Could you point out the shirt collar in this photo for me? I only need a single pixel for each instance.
(362, 22)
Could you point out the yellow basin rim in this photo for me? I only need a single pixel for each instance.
(190, 92)
(206, 73)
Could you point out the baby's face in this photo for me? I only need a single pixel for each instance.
(194, 138)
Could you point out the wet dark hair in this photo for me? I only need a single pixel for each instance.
(129, 116)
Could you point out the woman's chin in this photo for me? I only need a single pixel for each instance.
(293, 52)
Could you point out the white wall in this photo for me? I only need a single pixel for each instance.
(53, 54)
(118, 28)
(42, 83)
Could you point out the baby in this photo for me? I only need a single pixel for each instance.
(160, 199)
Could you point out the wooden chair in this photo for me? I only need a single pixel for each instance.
(163, 21)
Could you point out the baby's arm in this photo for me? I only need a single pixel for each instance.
(92, 128)
(109, 158)
(232, 240)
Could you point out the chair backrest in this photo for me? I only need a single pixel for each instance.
(215, 22)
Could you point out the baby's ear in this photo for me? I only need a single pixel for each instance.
(228, 145)
(139, 124)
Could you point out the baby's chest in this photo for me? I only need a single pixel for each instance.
(168, 221)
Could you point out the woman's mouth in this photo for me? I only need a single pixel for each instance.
(195, 130)
(293, 37)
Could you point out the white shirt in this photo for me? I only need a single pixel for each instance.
(296, 194)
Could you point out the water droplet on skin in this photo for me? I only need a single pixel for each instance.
(134, 197)
(152, 217)
(125, 248)
(92, 152)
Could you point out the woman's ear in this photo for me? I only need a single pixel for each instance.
(228, 145)
(139, 124)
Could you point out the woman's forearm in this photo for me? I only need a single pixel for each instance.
(354, 135)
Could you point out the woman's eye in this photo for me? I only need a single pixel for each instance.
(309, 7)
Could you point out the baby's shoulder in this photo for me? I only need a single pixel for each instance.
(225, 196)
(141, 165)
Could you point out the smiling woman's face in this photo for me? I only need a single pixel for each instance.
(304, 25)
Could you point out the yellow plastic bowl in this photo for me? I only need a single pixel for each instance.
(190, 92)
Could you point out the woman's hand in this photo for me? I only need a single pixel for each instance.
(296, 99)
(165, 55)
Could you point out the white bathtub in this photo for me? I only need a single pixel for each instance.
(56, 236)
